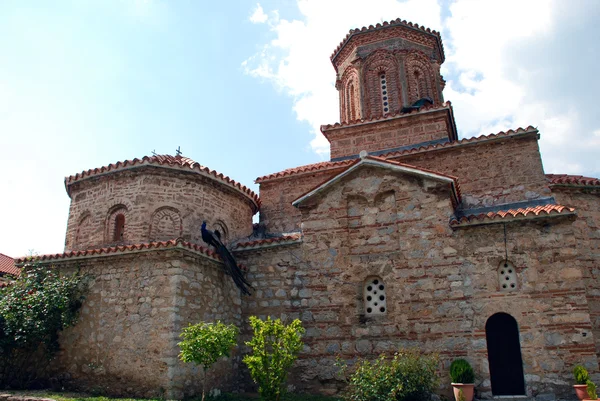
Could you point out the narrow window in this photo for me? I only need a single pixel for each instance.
(374, 297)
(507, 276)
(119, 228)
(351, 103)
(384, 93)
(417, 86)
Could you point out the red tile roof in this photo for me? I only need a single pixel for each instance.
(396, 22)
(267, 242)
(7, 265)
(120, 249)
(575, 180)
(467, 141)
(512, 214)
(309, 168)
(167, 161)
(426, 108)
(406, 167)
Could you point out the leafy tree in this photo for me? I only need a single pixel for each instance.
(407, 376)
(275, 347)
(33, 310)
(204, 343)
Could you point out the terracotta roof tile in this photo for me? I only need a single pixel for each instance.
(315, 167)
(512, 214)
(175, 243)
(164, 161)
(395, 22)
(566, 179)
(423, 109)
(7, 265)
(481, 138)
(265, 242)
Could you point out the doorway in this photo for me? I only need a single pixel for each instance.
(504, 355)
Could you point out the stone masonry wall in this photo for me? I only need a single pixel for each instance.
(125, 342)
(157, 204)
(490, 173)
(388, 134)
(441, 285)
(276, 211)
(587, 232)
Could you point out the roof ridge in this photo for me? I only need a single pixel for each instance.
(162, 160)
(491, 216)
(385, 24)
(304, 169)
(177, 242)
(571, 179)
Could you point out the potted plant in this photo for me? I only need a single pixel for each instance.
(463, 380)
(581, 379)
(591, 391)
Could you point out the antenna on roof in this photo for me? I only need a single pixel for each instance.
(154, 153)
(178, 151)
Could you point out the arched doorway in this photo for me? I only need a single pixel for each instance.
(504, 355)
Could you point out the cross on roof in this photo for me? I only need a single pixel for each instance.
(178, 151)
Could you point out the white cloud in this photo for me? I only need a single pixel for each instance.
(504, 67)
(258, 16)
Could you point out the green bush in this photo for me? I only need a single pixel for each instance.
(204, 343)
(591, 390)
(33, 310)
(275, 347)
(407, 376)
(581, 375)
(461, 372)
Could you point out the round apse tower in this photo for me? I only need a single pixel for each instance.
(155, 198)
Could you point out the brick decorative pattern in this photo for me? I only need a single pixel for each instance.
(379, 63)
(421, 78)
(350, 105)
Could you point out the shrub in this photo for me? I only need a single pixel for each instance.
(275, 347)
(407, 376)
(33, 310)
(204, 343)
(461, 371)
(591, 390)
(581, 375)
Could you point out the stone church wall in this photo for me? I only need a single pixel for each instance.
(125, 342)
(441, 285)
(157, 205)
(490, 173)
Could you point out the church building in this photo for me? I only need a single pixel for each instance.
(407, 237)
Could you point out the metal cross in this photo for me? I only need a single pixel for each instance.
(178, 151)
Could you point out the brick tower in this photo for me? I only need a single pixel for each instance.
(384, 72)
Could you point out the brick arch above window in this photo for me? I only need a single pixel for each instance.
(350, 96)
(166, 224)
(378, 90)
(83, 230)
(116, 224)
(223, 230)
(420, 78)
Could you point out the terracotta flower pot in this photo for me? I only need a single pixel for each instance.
(581, 391)
(467, 390)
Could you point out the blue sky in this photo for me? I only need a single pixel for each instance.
(243, 87)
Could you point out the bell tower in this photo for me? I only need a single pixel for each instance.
(383, 72)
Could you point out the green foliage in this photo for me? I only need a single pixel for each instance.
(407, 376)
(204, 343)
(591, 390)
(462, 372)
(581, 375)
(33, 310)
(275, 347)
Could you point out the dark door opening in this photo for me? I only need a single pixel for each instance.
(504, 355)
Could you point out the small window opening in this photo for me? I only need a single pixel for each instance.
(384, 94)
(507, 276)
(119, 233)
(374, 296)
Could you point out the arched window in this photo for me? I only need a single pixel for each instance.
(119, 231)
(385, 104)
(374, 297)
(507, 276)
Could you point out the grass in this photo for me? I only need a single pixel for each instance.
(67, 396)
